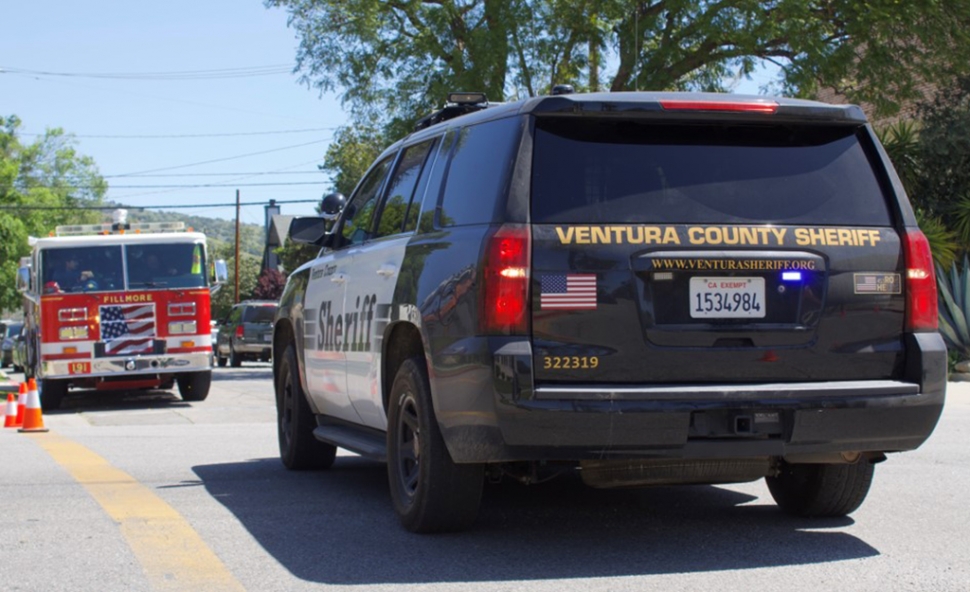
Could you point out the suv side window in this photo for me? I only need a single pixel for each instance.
(479, 172)
(359, 215)
(400, 190)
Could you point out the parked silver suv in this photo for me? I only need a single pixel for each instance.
(246, 333)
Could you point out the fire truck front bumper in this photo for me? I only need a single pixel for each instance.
(128, 365)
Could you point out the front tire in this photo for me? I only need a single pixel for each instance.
(299, 449)
(429, 491)
(821, 490)
(194, 386)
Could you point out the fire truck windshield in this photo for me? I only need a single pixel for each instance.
(101, 268)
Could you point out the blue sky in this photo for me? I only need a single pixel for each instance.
(265, 134)
(100, 36)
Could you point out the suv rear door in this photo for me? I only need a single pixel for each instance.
(710, 250)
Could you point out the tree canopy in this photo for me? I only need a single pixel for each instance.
(399, 58)
(42, 184)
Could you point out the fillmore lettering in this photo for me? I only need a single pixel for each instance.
(125, 298)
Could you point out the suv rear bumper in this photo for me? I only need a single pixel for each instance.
(516, 422)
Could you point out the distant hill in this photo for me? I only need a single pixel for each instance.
(252, 237)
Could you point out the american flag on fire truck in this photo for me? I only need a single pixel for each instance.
(128, 328)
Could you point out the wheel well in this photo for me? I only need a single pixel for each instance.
(403, 342)
(282, 335)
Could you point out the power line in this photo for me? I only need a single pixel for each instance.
(160, 207)
(221, 73)
(165, 136)
(182, 166)
(182, 185)
(250, 174)
(204, 185)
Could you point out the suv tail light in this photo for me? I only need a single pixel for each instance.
(504, 299)
(239, 331)
(766, 107)
(922, 312)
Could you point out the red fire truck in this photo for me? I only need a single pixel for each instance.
(119, 306)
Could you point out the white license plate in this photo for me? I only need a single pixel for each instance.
(267, 337)
(727, 298)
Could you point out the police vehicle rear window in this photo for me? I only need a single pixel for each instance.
(608, 171)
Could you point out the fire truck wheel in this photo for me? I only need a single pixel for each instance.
(234, 359)
(52, 393)
(194, 386)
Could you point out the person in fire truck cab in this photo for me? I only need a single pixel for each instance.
(68, 277)
(154, 266)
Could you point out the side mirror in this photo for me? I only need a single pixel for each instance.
(23, 279)
(310, 230)
(222, 271)
(332, 205)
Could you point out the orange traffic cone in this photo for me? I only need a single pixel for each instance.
(10, 419)
(21, 404)
(33, 415)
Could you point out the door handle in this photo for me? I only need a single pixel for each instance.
(386, 270)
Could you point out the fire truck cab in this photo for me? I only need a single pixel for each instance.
(119, 306)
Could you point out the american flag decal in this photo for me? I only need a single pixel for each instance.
(128, 328)
(571, 291)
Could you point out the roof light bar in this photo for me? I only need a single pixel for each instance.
(467, 98)
(766, 107)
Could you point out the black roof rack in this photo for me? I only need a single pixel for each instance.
(459, 103)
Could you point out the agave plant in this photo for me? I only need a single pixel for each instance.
(954, 289)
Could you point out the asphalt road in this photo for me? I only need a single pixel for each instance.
(144, 492)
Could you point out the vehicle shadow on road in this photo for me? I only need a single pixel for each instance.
(337, 527)
(78, 401)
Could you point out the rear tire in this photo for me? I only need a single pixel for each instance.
(52, 393)
(221, 361)
(234, 360)
(194, 386)
(821, 490)
(429, 491)
(295, 423)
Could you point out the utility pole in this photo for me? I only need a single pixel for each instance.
(236, 293)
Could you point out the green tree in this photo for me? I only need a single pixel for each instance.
(47, 173)
(397, 59)
(223, 300)
(943, 185)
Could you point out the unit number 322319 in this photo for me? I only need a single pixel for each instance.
(569, 362)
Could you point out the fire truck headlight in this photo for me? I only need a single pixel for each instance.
(182, 328)
(72, 333)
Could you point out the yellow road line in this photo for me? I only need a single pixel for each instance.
(172, 554)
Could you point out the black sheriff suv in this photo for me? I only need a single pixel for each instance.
(645, 288)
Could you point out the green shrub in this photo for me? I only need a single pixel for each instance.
(954, 290)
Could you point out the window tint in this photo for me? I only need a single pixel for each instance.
(86, 269)
(360, 211)
(259, 314)
(624, 171)
(165, 265)
(478, 173)
(400, 190)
